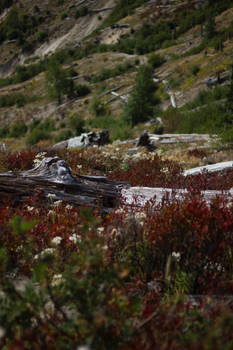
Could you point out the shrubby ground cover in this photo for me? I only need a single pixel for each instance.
(71, 277)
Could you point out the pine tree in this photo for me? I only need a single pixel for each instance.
(210, 27)
(141, 104)
(57, 81)
(229, 103)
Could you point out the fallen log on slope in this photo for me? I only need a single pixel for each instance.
(210, 168)
(52, 178)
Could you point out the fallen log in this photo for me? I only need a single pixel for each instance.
(52, 178)
(140, 196)
(210, 168)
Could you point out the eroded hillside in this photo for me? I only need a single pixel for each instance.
(99, 47)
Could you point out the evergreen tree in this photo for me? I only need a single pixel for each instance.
(210, 27)
(229, 103)
(141, 104)
(57, 80)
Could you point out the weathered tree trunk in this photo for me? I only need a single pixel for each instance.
(53, 176)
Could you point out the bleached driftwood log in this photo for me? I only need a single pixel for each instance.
(53, 176)
(139, 196)
(182, 138)
(210, 168)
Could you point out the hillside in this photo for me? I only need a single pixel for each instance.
(116, 175)
(100, 46)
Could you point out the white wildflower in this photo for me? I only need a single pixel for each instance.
(115, 233)
(69, 207)
(19, 248)
(140, 218)
(29, 208)
(100, 231)
(51, 212)
(126, 157)
(56, 240)
(83, 347)
(2, 332)
(51, 195)
(105, 247)
(38, 158)
(79, 166)
(57, 280)
(176, 256)
(57, 203)
(154, 286)
(44, 253)
(119, 211)
(214, 266)
(136, 156)
(140, 215)
(75, 238)
(165, 170)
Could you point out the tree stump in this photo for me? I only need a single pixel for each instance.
(53, 177)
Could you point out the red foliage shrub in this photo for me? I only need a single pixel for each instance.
(174, 248)
(198, 153)
(179, 325)
(200, 234)
(149, 173)
(21, 160)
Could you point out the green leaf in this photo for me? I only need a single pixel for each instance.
(20, 226)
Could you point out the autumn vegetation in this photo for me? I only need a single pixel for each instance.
(139, 277)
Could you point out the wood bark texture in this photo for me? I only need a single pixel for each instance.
(53, 176)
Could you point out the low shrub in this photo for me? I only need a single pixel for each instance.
(81, 12)
(63, 15)
(39, 131)
(119, 130)
(96, 107)
(18, 129)
(18, 160)
(82, 90)
(63, 135)
(4, 131)
(76, 124)
(122, 9)
(110, 73)
(195, 69)
(11, 100)
(37, 135)
(156, 60)
(42, 36)
(5, 81)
